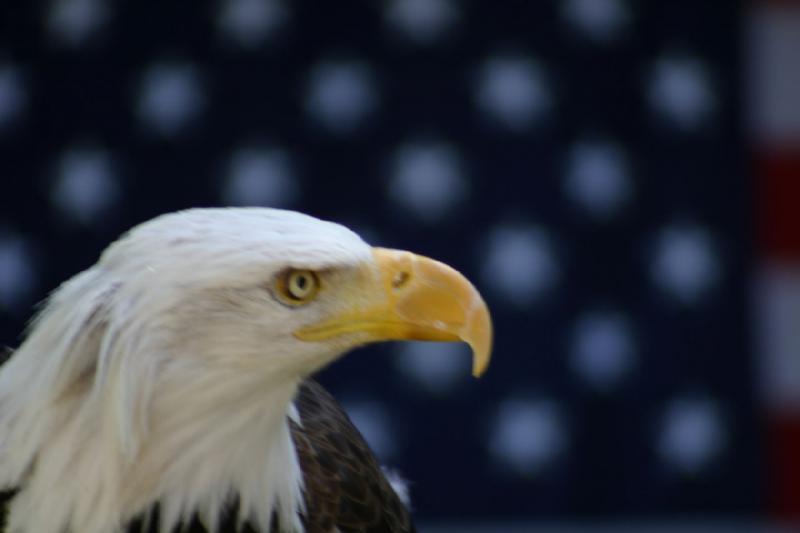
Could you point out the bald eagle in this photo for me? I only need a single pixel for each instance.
(167, 388)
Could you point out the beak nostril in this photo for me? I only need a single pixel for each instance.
(400, 279)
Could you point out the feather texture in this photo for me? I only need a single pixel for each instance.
(345, 489)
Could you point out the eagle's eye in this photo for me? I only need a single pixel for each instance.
(296, 287)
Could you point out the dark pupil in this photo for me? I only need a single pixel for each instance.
(301, 282)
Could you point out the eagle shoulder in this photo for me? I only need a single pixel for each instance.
(345, 487)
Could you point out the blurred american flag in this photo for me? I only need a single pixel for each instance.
(773, 79)
(588, 162)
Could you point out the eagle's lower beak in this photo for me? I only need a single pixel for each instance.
(414, 298)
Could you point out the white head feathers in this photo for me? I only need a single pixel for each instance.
(106, 405)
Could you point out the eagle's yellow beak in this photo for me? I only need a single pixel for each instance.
(413, 298)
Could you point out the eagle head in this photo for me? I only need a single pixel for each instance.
(166, 371)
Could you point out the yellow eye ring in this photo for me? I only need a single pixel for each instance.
(297, 287)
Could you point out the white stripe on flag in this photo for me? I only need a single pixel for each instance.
(778, 336)
(773, 76)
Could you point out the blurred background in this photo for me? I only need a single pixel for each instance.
(620, 178)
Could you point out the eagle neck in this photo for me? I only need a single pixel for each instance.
(208, 443)
(235, 441)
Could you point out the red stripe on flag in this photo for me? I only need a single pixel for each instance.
(785, 460)
(779, 204)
